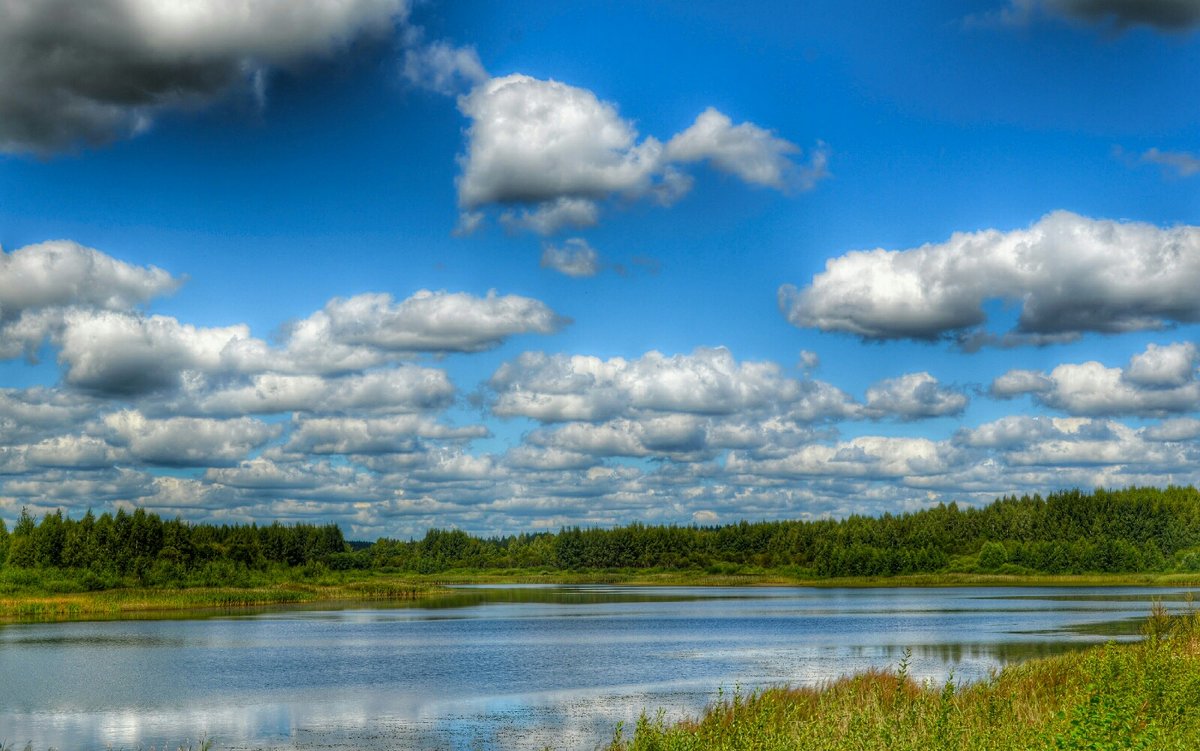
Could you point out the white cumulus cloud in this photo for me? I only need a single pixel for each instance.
(1067, 273)
(1157, 381)
(575, 257)
(548, 153)
(188, 441)
(914, 396)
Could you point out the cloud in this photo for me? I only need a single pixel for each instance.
(91, 73)
(388, 435)
(1181, 163)
(62, 273)
(27, 415)
(556, 388)
(683, 407)
(1066, 273)
(427, 321)
(548, 153)
(551, 216)
(1158, 381)
(117, 353)
(443, 68)
(747, 151)
(1175, 429)
(40, 284)
(74, 452)
(677, 436)
(914, 396)
(1017, 382)
(1092, 389)
(1008, 432)
(573, 258)
(187, 441)
(1064, 442)
(1162, 15)
(873, 457)
(121, 354)
(407, 388)
(1168, 366)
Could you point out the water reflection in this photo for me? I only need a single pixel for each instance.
(509, 667)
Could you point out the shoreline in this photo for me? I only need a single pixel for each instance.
(1104, 697)
(158, 603)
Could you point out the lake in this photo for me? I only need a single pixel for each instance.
(509, 667)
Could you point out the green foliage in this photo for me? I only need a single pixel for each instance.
(141, 549)
(992, 556)
(1137, 530)
(1127, 531)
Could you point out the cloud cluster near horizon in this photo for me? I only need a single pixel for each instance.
(351, 417)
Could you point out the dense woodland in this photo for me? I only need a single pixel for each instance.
(1132, 530)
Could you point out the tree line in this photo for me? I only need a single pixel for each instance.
(1120, 531)
(142, 546)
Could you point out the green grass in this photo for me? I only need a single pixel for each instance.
(1143, 696)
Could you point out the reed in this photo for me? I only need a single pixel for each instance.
(1133, 696)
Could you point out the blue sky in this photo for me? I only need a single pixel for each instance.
(514, 266)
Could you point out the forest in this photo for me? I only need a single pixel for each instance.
(1134, 530)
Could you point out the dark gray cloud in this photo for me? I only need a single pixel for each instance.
(76, 73)
(1166, 15)
(1162, 15)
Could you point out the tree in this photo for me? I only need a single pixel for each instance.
(992, 556)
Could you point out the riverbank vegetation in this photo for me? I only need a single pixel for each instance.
(1135, 536)
(1132, 696)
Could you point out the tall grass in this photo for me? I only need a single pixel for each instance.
(1127, 697)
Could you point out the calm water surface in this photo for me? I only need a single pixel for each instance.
(508, 667)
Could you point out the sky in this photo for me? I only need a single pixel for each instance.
(506, 267)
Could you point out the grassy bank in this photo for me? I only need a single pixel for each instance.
(34, 604)
(1133, 696)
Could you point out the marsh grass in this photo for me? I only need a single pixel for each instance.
(134, 601)
(1128, 697)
